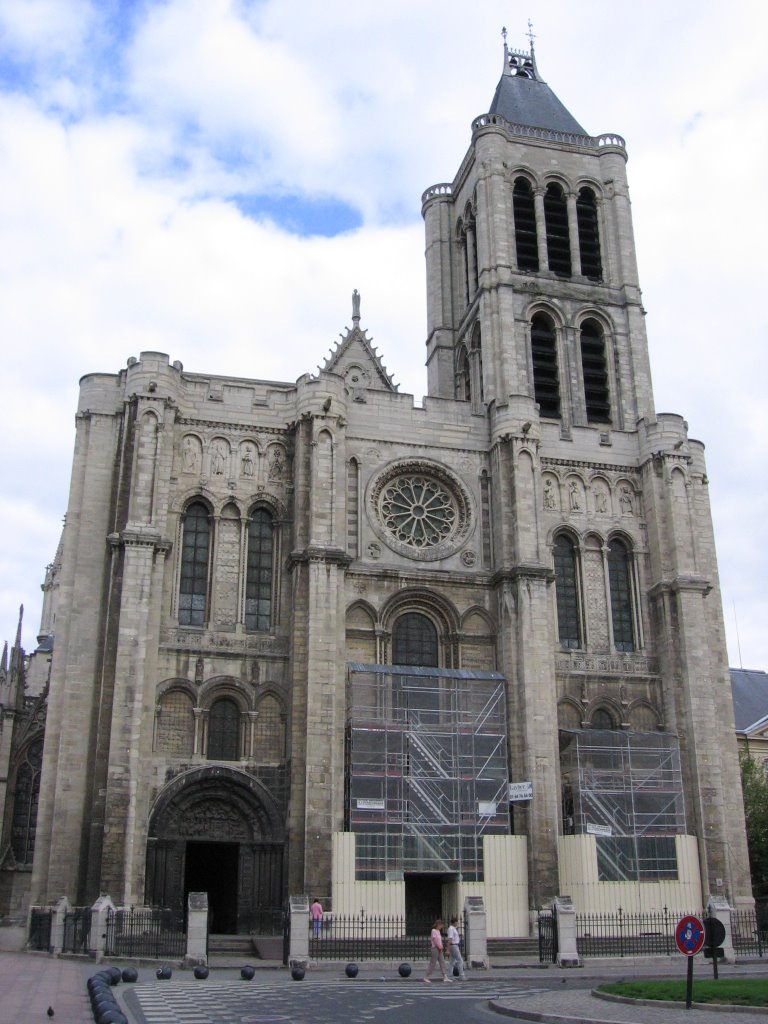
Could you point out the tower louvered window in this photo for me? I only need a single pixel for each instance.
(525, 225)
(595, 372)
(195, 552)
(567, 592)
(258, 584)
(558, 236)
(589, 236)
(546, 387)
(620, 581)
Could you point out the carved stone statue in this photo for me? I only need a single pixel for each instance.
(217, 460)
(574, 496)
(601, 501)
(550, 500)
(625, 500)
(189, 456)
(276, 464)
(247, 462)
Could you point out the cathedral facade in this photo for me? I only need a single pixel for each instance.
(313, 637)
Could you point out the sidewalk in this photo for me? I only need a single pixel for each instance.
(31, 982)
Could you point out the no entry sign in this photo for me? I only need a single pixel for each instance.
(689, 935)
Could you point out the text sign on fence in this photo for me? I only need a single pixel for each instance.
(520, 791)
(689, 935)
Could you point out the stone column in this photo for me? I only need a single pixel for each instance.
(565, 922)
(476, 939)
(197, 929)
(97, 940)
(60, 910)
(720, 909)
(298, 953)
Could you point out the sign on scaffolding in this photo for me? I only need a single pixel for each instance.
(520, 791)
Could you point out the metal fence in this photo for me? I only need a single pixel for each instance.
(749, 931)
(77, 930)
(548, 936)
(146, 932)
(627, 934)
(369, 937)
(40, 929)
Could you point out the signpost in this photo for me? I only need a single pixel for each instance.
(689, 939)
(714, 936)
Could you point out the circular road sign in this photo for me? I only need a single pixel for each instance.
(689, 935)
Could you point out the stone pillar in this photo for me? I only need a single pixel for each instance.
(60, 910)
(573, 235)
(476, 939)
(541, 229)
(97, 939)
(197, 929)
(298, 953)
(565, 922)
(719, 908)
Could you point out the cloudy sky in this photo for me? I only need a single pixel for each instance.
(212, 178)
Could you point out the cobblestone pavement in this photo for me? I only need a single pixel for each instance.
(30, 983)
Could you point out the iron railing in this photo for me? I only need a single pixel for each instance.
(651, 933)
(146, 932)
(548, 936)
(77, 930)
(40, 929)
(749, 933)
(369, 937)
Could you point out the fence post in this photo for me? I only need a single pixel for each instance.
(718, 906)
(565, 922)
(298, 953)
(60, 910)
(97, 937)
(197, 929)
(476, 939)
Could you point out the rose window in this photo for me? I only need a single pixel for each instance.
(418, 511)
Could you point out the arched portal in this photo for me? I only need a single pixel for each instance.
(216, 829)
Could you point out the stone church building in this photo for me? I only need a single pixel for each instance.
(313, 637)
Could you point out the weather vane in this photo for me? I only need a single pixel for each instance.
(531, 36)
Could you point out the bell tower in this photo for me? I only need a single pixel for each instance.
(531, 273)
(603, 569)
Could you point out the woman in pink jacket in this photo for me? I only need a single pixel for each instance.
(436, 954)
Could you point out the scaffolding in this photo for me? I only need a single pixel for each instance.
(427, 773)
(625, 788)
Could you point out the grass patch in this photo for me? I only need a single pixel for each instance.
(736, 991)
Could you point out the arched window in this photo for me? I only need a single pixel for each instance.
(546, 387)
(24, 823)
(558, 237)
(601, 719)
(620, 582)
(567, 592)
(595, 372)
(589, 236)
(224, 730)
(525, 225)
(195, 552)
(463, 376)
(258, 582)
(414, 641)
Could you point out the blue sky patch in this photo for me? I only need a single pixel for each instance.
(301, 215)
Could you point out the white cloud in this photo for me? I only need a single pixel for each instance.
(117, 238)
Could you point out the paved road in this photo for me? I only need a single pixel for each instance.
(29, 983)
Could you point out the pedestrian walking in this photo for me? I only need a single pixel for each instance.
(436, 953)
(455, 959)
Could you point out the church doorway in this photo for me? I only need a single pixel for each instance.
(213, 868)
(218, 830)
(423, 901)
